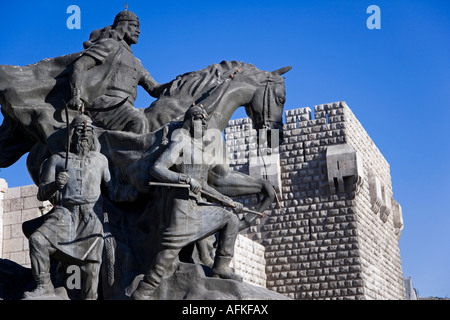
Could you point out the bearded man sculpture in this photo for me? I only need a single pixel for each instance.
(73, 229)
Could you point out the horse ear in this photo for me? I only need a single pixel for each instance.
(281, 71)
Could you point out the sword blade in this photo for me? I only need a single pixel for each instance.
(179, 185)
(67, 136)
(165, 184)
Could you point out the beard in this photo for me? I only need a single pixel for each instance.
(131, 38)
(198, 129)
(84, 146)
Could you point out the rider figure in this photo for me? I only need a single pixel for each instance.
(109, 58)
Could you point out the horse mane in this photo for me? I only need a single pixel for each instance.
(199, 83)
(194, 87)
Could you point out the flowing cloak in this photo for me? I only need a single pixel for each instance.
(32, 102)
(33, 98)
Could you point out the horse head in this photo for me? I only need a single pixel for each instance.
(266, 107)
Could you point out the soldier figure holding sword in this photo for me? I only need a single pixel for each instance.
(192, 217)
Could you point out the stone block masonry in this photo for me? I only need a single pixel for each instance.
(379, 229)
(248, 261)
(18, 205)
(335, 234)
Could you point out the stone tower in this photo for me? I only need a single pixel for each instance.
(334, 232)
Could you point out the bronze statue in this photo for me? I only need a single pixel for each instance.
(192, 217)
(101, 81)
(73, 229)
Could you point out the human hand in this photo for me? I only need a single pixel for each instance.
(195, 185)
(61, 179)
(237, 207)
(75, 103)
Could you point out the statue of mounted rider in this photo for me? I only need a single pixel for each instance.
(39, 101)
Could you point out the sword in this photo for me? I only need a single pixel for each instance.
(67, 137)
(206, 193)
(91, 247)
(66, 164)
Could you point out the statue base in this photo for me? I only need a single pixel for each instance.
(60, 294)
(190, 282)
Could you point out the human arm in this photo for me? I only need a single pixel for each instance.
(171, 156)
(96, 54)
(149, 84)
(83, 64)
(53, 178)
(161, 168)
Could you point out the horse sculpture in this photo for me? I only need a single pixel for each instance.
(34, 116)
(32, 100)
(221, 89)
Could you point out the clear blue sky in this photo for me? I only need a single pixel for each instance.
(395, 80)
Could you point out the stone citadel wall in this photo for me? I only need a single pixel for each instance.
(17, 205)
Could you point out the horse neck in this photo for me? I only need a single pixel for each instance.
(239, 93)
